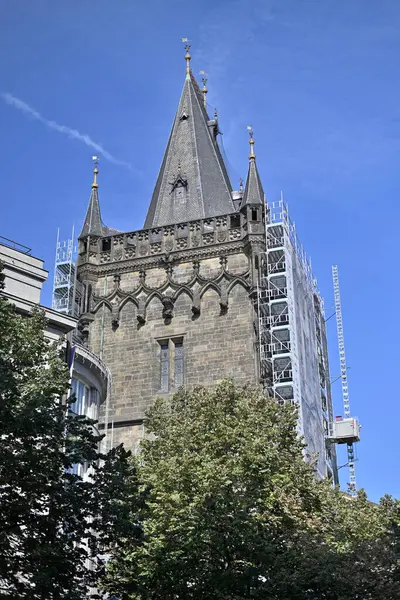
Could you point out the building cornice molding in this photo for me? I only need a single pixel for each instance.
(160, 260)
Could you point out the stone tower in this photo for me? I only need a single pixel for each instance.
(175, 303)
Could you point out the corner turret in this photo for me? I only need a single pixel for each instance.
(93, 225)
(253, 197)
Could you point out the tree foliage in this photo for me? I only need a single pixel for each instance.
(233, 511)
(52, 521)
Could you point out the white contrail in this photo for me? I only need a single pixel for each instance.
(72, 133)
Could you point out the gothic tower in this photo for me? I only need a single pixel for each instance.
(173, 304)
(177, 302)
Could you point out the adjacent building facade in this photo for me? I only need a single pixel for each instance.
(203, 291)
(24, 278)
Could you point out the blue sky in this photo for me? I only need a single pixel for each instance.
(317, 80)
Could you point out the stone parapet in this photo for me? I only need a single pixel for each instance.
(163, 240)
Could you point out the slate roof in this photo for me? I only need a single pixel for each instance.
(93, 224)
(193, 182)
(253, 192)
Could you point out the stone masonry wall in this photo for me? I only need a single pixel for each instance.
(217, 342)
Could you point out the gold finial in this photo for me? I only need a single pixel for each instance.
(251, 142)
(187, 55)
(204, 90)
(95, 171)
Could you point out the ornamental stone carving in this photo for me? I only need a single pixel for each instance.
(196, 303)
(130, 252)
(141, 312)
(84, 327)
(196, 240)
(143, 249)
(169, 245)
(168, 306)
(118, 252)
(115, 313)
(223, 261)
(196, 267)
(223, 302)
(221, 235)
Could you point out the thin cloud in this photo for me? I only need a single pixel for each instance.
(70, 132)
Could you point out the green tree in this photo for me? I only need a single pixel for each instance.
(233, 511)
(52, 521)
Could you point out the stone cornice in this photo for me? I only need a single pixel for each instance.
(161, 260)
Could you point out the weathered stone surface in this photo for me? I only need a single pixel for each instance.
(141, 303)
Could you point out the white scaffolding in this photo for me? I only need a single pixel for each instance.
(65, 293)
(293, 352)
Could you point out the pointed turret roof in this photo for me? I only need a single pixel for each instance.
(193, 182)
(93, 224)
(253, 193)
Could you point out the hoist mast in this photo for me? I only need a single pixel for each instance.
(345, 430)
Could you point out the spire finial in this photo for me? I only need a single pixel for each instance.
(251, 142)
(204, 90)
(95, 171)
(187, 55)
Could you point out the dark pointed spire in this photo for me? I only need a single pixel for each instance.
(93, 224)
(193, 182)
(253, 193)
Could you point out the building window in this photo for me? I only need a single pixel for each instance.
(171, 364)
(164, 361)
(82, 394)
(254, 214)
(178, 363)
(87, 400)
